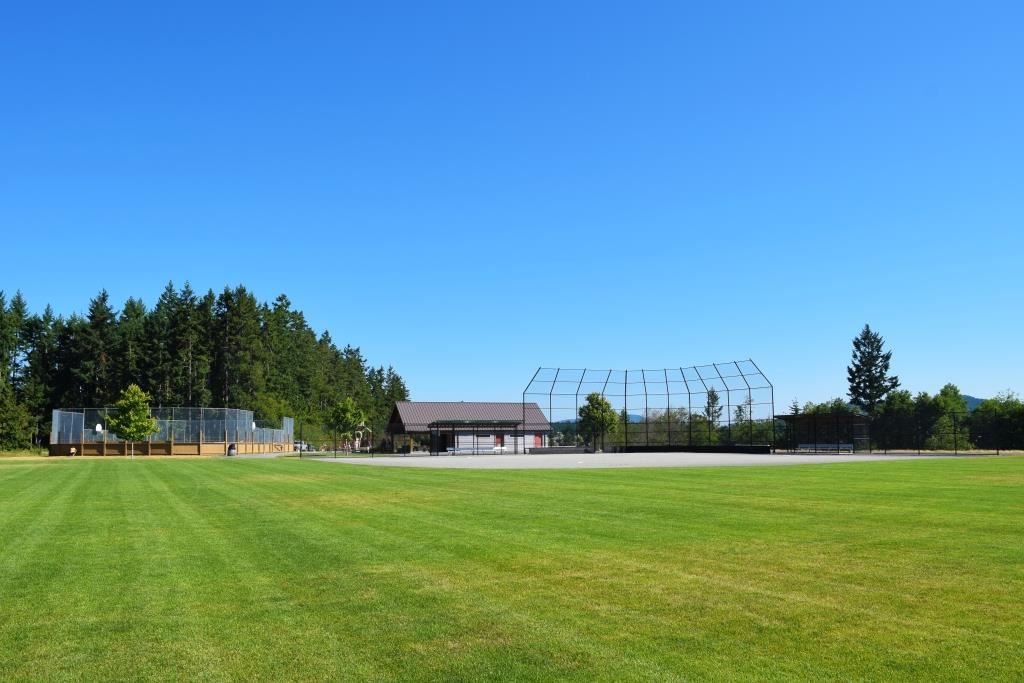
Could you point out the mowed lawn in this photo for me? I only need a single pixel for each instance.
(283, 569)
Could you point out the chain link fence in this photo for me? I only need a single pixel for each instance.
(947, 431)
(225, 427)
(902, 432)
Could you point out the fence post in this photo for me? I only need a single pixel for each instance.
(917, 433)
(998, 434)
(955, 435)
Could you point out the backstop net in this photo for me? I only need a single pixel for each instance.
(701, 406)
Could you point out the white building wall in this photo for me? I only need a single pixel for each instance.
(513, 444)
(466, 440)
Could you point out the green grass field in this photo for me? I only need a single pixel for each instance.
(284, 569)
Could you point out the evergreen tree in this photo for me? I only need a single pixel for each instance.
(353, 381)
(96, 353)
(868, 372)
(206, 323)
(131, 343)
(8, 339)
(160, 353)
(189, 346)
(68, 391)
(325, 374)
(713, 407)
(226, 350)
(37, 388)
(17, 317)
(385, 388)
(379, 402)
(15, 420)
(743, 411)
(238, 349)
(304, 363)
(395, 390)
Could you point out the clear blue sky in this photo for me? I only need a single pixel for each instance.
(578, 184)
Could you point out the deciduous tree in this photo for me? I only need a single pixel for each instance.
(597, 418)
(346, 417)
(132, 420)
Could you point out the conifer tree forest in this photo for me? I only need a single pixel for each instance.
(187, 349)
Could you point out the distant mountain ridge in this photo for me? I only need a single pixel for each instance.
(972, 402)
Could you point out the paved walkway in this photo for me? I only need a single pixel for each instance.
(598, 460)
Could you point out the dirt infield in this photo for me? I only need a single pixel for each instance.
(603, 460)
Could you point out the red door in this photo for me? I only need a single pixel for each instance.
(499, 439)
(538, 440)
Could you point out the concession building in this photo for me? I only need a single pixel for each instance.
(468, 427)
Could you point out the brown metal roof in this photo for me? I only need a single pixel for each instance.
(417, 416)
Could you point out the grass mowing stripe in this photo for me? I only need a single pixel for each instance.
(194, 613)
(34, 537)
(278, 584)
(406, 584)
(224, 569)
(33, 515)
(738, 587)
(25, 493)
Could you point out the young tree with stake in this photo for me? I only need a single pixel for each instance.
(132, 422)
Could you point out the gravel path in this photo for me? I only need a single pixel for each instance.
(598, 460)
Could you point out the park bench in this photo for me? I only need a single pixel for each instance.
(481, 449)
(825, 446)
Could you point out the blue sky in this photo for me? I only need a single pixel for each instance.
(468, 191)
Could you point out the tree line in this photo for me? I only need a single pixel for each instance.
(599, 425)
(901, 420)
(898, 420)
(188, 349)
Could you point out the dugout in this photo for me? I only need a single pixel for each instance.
(826, 433)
